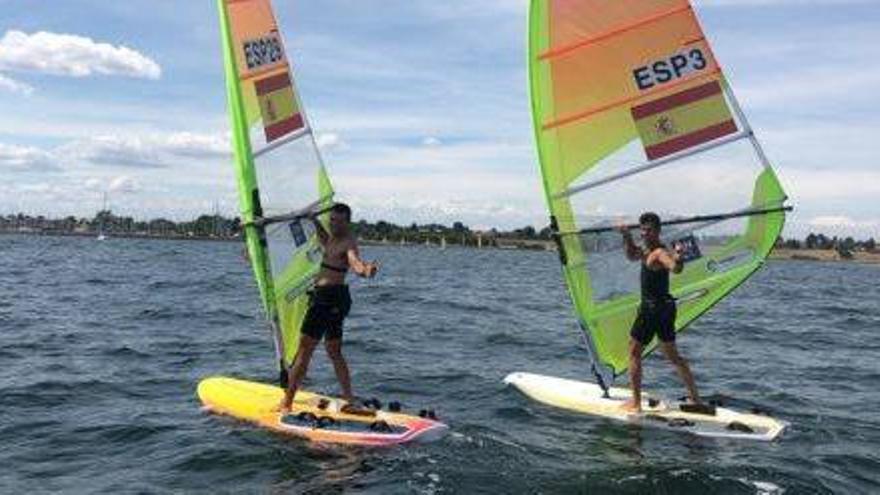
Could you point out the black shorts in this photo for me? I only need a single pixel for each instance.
(655, 317)
(328, 307)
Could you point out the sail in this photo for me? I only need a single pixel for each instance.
(278, 167)
(632, 113)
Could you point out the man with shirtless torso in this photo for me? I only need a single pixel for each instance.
(329, 303)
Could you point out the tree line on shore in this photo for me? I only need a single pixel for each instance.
(221, 227)
(845, 246)
(218, 226)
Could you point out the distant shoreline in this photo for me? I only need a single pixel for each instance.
(778, 254)
(824, 255)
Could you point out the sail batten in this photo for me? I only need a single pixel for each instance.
(281, 142)
(614, 84)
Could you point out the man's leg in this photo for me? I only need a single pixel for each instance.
(298, 371)
(334, 350)
(635, 376)
(681, 366)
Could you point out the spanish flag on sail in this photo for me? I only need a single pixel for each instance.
(278, 106)
(683, 120)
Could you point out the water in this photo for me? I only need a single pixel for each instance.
(102, 345)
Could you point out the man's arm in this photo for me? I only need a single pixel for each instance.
(633, 253)
(323, 236)
(671, 260)
(359, 266)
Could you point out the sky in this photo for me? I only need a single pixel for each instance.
(420, 107)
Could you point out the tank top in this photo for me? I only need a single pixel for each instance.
(655, 284)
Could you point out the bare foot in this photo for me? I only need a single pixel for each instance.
(631, 406)
(283, 407)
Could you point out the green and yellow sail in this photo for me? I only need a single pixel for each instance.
(278, 167)
(632, 113)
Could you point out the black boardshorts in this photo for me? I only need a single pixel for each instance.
(328, 307)
(655, 317)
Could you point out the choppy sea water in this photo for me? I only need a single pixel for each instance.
(103, 343)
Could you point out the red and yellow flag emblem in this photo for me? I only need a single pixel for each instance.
(278, 106)
(683, 120)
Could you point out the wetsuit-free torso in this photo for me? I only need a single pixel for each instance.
(329, 300)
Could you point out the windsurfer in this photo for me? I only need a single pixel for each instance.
(329, 303)
(657, 311)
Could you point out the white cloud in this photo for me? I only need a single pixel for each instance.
(123, 184)
(188, 144)
(93, 184)
(330, 141)
(14, 86)
(431, 141)
(146, 151)
(823, 185)
(72, 55)
(113, 151)
(840, 221)
(810, 87)
(26, 158)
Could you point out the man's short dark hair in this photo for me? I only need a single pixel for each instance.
(650, 218)
(342, 209)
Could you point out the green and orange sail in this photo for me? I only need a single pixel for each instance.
(279, 170)
(632, 113)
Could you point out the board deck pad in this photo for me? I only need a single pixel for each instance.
(313, 417)
(587, 398)
(301, 420)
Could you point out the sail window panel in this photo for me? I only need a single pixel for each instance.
(288, 241)
(288, 178)
(719, 181)
(576, 20)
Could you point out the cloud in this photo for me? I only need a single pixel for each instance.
(146, 151)
(824, 185)
(14, 86)
(26, 158)
(191, 145)
(836, 221)
(431, 141)
(114, 151)
(330, 141)
(73, 56)
(124, 184)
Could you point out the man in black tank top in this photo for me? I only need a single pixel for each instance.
(657, 311)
